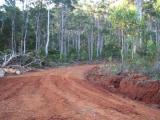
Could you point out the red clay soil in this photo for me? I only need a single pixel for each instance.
(135, 86)
(65, 94)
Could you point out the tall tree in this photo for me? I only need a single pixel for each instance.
(11, 5)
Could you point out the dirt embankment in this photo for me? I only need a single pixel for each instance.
(135, 86)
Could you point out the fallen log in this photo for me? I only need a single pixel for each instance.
(2, 73)
(6, 61)
(12, 71)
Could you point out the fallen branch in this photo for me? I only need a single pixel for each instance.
(6, 61)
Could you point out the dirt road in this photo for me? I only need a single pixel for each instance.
(64, 94)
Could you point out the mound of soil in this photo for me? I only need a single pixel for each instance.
(133, 85)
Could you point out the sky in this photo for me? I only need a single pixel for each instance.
(17, 2)
(3, 1)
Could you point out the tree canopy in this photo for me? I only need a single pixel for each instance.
(71, 30)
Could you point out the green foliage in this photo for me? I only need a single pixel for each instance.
(54, 55)
(111, 49)
(111, 23)
(151, 49)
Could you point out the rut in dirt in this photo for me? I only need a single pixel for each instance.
(65, 94)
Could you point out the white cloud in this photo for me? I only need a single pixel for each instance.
(18, 3)
(2, 2)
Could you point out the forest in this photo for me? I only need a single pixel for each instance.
(79, 59)
(48, 32)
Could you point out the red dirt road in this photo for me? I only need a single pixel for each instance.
(64, 94)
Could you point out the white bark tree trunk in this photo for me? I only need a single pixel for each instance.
(122, 47)
(91, 43)
(139, 5)
(62, 33)
(37, 32)
(101, 44)
(13, 36)
(48, 33)
(26, 32)
(79, 43)
(13, 42)
(98, 39)
(89, 47)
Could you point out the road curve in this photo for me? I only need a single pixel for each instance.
(64, 94)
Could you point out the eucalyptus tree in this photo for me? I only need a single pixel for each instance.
(101, 17)
(124, 21)
(62, 31)
(76, 24)
(139, 7)
(152, 17)
(3, 36)
(65, 6)
(40, 9)
(38, 26)
(81, 31)
(2, 19)
(25, 15)
(90, 10)
(11, 6)
(49, 7)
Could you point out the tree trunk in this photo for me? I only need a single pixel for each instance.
(101, 44)
(25, 34)
(98, 39)
(122, 48)
(68, 41)
(79, 43)
(62, 33)
(37, 32)
(92, 40)
(13, 36)
(89, 47)
(13, 42)
(21, 49)
(38, 27)
(139, 5)
(48, 33)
